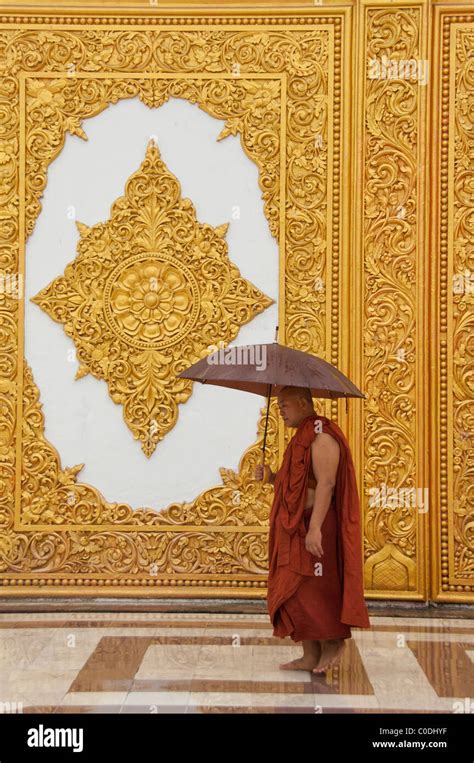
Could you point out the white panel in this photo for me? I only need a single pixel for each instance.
(215, 425)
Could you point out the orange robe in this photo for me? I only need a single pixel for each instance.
(300, 603)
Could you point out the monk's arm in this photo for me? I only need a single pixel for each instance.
(325, 458)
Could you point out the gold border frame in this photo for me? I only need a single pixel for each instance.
(446, 585)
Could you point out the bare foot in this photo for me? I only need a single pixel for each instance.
(308, 661)
(302, 663)
(331, 651)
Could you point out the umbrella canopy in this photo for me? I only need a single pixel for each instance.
(265, 368)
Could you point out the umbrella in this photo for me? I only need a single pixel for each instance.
(264, 369)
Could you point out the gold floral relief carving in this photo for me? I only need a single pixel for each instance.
(251, 108)
(272, 86)
(51, 494)
(391, 219)
(149, 293)
(457, 310)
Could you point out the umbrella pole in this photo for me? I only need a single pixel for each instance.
(266, 424)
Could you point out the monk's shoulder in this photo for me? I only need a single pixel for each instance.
(325, 440)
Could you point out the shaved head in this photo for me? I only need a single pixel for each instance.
(302, 392)
(295, 403)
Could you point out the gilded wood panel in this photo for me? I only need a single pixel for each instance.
(366, 183)
(391, 275)
(275, 83)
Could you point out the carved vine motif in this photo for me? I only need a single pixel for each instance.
(390, 262)
(461, 299)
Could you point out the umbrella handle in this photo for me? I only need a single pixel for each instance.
(266, 424)
(268, 410)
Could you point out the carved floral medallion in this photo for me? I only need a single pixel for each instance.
(151, 290)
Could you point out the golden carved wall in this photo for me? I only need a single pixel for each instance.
(368, 189)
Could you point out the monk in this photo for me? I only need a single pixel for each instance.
(315, 582)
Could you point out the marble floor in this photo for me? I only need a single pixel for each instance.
(223, 663)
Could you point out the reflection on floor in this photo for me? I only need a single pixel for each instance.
(204, 663)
